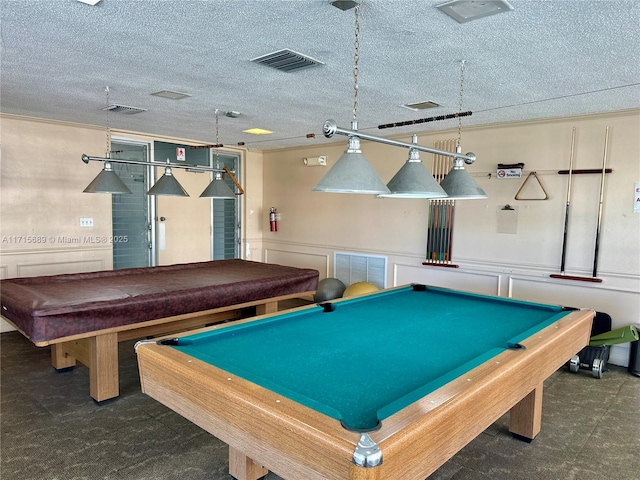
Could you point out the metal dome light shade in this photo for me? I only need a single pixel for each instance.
(458, 183)
(352, 173)
(218, 189)
(107, 181)
(168, 185)
(414, 180)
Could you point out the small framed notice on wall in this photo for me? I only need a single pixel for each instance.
(636, 198)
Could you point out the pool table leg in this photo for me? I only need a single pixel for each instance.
(60, 359)
(525, 418)
(100, 354)
(242, 467)
(267, 307)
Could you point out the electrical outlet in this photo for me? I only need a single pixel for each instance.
(86, 222)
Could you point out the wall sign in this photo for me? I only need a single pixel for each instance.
(510, 171)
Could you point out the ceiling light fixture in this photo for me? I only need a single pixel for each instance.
(168, 165)
(107, 180)
(217, 189)
(352, 173)
(414, 180)
(458, 183)
(258, 131)
(168, 184)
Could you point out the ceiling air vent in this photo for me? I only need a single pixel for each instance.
(124, 109)
(287, 61)
(420, 105)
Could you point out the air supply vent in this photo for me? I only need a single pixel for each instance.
(287, 61)
(124, 109)
(350, 268)
(420, 105)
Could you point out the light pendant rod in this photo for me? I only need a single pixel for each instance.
(191, 168)
(194, 168)
(330, 128)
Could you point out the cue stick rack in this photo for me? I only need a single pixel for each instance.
(441, 213)
(570, 172)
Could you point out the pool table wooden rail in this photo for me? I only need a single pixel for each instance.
(266, 431)
(442, 423)
(98, 350)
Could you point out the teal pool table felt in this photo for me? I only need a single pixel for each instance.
(374, 355)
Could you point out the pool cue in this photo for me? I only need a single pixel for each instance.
(566, 211)
(437, 232)
(604, 164)
(440, 231)
(443, 214)
(453, 211)
(430, 232)
(447, 236)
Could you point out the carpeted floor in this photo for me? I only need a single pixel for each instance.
(51, 429)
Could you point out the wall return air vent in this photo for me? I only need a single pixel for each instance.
(287, 61)
(124, 109)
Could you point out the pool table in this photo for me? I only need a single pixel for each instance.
(83, 316)
(385, 385)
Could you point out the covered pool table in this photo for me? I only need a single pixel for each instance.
(386, 385)
(83, 316)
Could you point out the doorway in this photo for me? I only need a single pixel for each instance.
(163, 230)
(132, 229)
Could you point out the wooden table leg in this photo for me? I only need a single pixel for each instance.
(103, 368)
(60, 358)
(242, 467)
(525, 418)
(267, 307)
(100, 355)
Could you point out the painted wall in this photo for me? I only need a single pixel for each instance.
(41, 196)
(314, 225)
(42, 179)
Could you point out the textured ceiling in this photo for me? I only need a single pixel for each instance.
(545, 58)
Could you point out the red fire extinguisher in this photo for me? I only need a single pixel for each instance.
(273, 222)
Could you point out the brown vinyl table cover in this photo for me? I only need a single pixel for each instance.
(50, 307)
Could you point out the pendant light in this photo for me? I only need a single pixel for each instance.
(353, 173)
(168, 185)
(414, 180)
(107, 180)
(218, 188)
(458, 183)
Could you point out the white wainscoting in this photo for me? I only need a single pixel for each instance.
(617, 295)
(317, 261)
(485, 283)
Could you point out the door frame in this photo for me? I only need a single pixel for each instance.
(149, 179)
